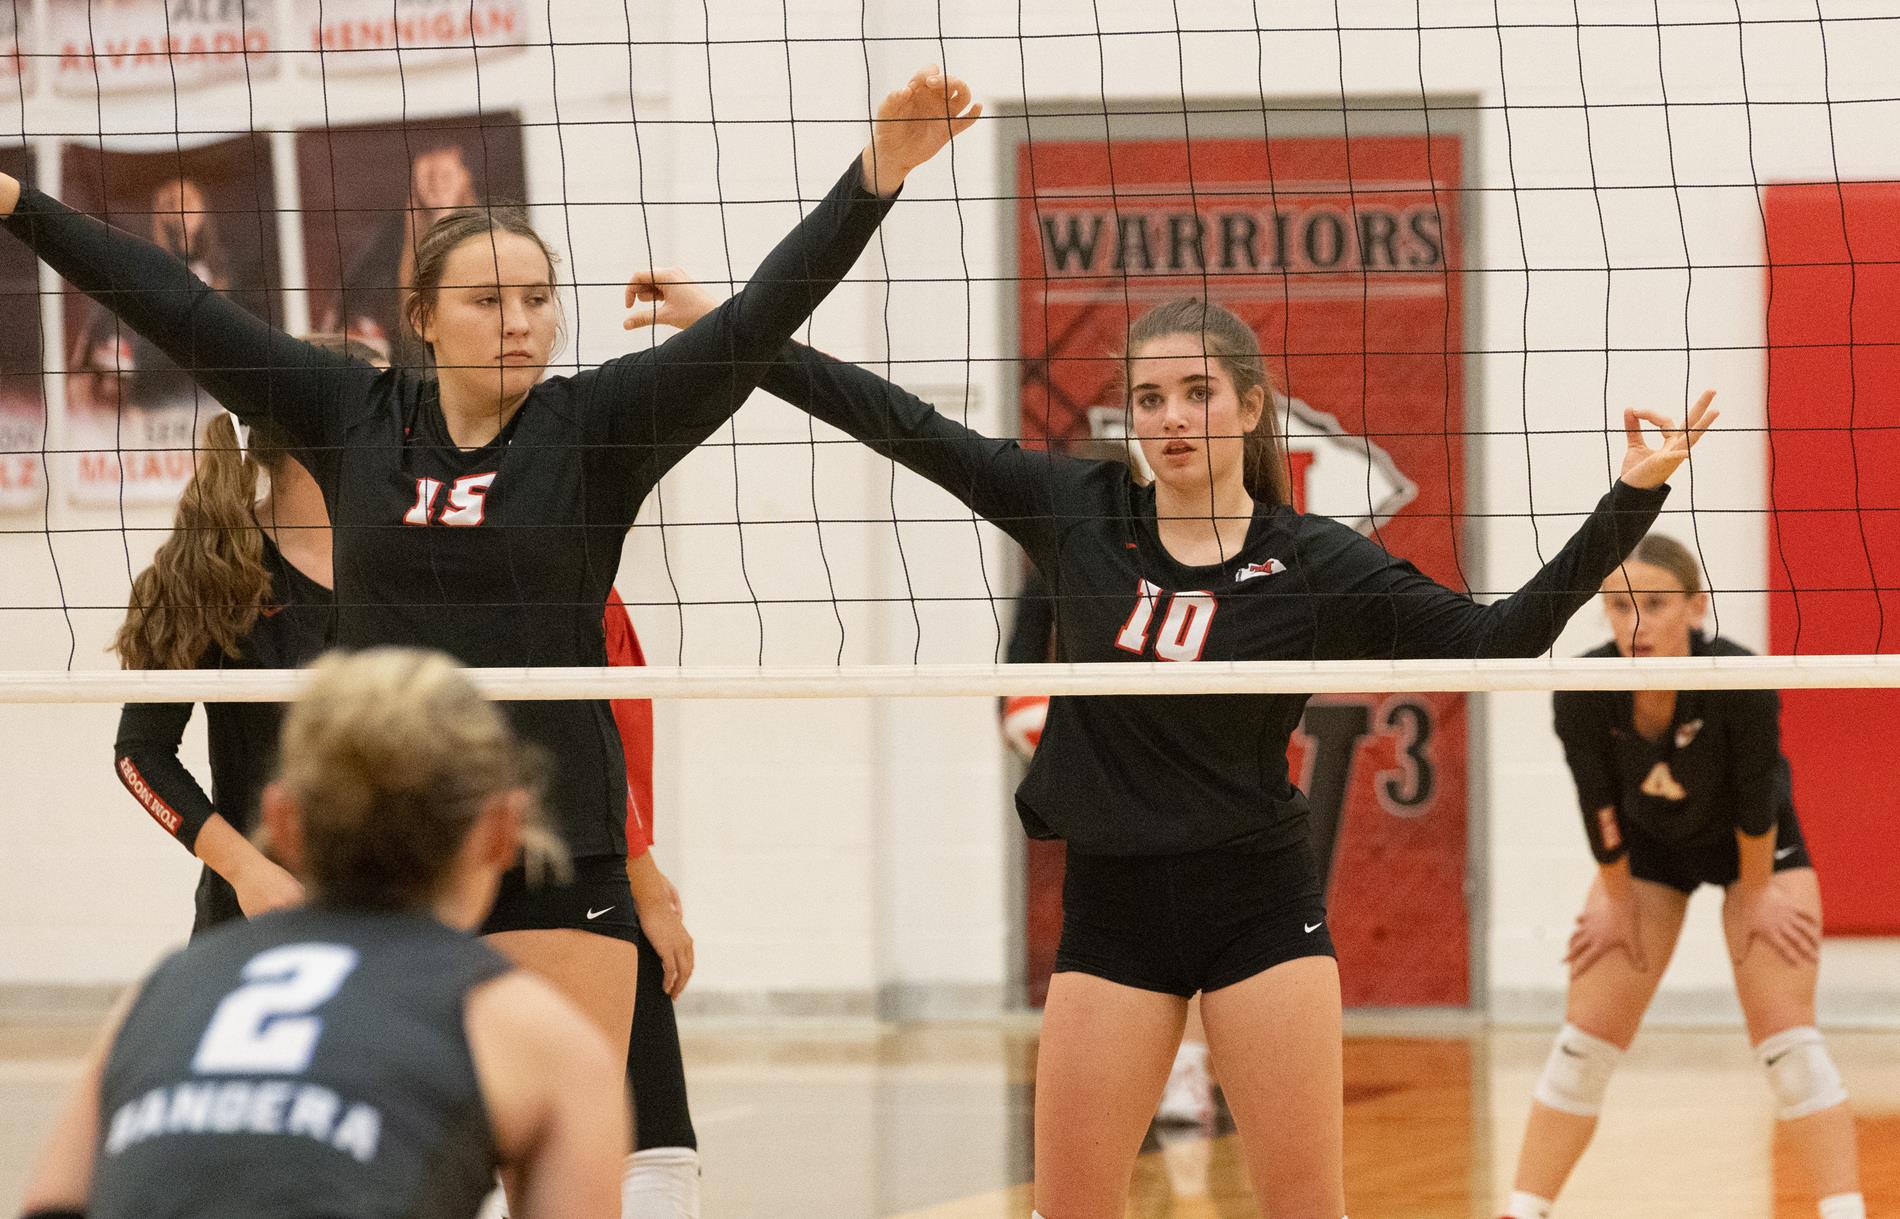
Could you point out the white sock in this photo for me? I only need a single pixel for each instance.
(1527, 1206)
(660, 1183)
(494, 1206)
(1843, 1206)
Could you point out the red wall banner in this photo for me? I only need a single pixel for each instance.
(1342, 256)
(1834, 524)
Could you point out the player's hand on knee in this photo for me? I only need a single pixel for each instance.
(666, 296)
(1769, 914)
(913, 124)
(1647, 466)
(1606, 925)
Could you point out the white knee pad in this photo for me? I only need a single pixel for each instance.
(1800, 1071)
(1577, 1073)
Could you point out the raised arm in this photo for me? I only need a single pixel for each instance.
(253, 369)
(1386, 608)
(663, 401)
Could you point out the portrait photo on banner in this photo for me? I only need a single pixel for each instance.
(370, 191)
(22, 397)
(132, 416)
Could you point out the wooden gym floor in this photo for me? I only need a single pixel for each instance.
(933, 1122)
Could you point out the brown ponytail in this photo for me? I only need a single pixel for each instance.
(1225, 337)
(391, 756)
(207, 582)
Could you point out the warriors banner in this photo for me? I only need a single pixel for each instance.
(1342, 255)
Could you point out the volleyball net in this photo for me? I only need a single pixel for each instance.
(1467, 238)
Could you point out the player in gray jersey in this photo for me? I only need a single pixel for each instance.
(363, 1055)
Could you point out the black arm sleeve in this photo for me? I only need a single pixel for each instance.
(1755, 758)
(661, 402)
(1586, 742)
(146, 761)
(1387, 608)
(253, 369)
(1035, 621)
(1011, 487)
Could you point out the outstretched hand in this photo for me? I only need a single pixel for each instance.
(913, 124)
(1648, 467)
(666, 297)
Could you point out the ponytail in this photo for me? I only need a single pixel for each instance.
(207, 583)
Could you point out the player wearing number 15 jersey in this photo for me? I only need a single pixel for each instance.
(363, 1055)
(1188, 867)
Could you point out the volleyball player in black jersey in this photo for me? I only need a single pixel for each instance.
(479, 509)
(362, 1055)
(1188, 865)
(239, 583)
(1679, 790)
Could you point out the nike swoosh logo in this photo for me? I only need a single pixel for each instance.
(1315, 926)
(1784, 852)
(1568, 1052)
(597, 913)
(1777, 1058)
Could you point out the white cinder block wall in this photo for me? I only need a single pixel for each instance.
(836, 855)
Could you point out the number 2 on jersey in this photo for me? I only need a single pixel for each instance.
(1183, 631)
(265, 1026)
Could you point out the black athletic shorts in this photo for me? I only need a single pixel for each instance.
(1717, 861)
(1180, 924)
(596, 899)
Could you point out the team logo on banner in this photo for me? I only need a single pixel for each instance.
(364, 35)
(118, 46)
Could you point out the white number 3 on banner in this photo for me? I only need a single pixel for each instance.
(266, 1025)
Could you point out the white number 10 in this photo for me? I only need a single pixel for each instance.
(1183, 632)
(265, 1026)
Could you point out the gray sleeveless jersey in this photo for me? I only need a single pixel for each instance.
(310, 1063)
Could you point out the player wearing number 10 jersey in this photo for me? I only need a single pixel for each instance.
(363, 1055)
(1188, 869)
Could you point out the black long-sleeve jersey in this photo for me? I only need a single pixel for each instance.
(240, 738)
(311, 1062)
(1127, 775)
(1718, 769)
(501, 555)
(1035, 622)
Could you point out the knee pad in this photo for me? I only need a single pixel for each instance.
(1800, 1071)
(1577, 1073)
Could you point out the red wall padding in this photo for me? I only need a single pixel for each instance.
(1834, 533)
